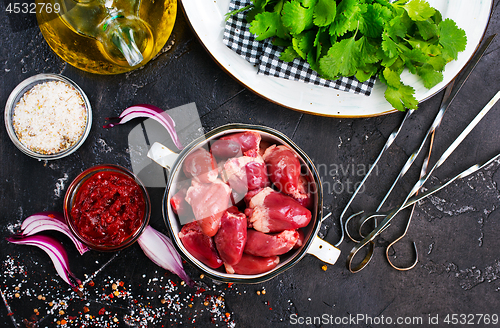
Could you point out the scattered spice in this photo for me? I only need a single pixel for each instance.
(164, 301)
(324, 267)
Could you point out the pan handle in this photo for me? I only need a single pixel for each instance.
(162, 155)
(324, 251)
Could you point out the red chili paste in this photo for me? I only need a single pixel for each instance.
(109, 207)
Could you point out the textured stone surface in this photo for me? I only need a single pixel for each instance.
(455, 230)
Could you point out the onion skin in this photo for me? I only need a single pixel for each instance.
(148, 111)
(159, 249)
(43, 221)
(56, 252)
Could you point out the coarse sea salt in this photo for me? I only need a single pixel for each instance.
(50, 117)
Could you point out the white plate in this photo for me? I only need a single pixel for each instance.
(207, 19)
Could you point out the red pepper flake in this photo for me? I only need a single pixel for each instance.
(91, 283)
(102, 311)
(111, 295)
(229, 284)
(199, 291)
(121, 283)
(270, 309)
(10, 314)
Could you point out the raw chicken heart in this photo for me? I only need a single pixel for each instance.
(283, 167)
(231, 238)
(178, 201)
(245, 173)
(248, 140)
(265, 245)
(199, 245)
(272, 211)
(201, 166)
(209, 202)
(226, 149)
(250, 264)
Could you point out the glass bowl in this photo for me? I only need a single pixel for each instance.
(19, 91)
(107, 217)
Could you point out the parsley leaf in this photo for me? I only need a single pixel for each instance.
(341, 59)
(419, 10)
(430, 77)
(324, 12)
(265, 25)
(296, 17)
(402, 97)
(451, 38)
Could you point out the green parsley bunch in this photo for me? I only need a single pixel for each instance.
(362, 38)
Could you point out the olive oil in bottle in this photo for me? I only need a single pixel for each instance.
(106, 36)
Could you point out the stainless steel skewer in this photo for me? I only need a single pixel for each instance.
(384, 224)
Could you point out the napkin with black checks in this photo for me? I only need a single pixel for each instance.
(265, 56)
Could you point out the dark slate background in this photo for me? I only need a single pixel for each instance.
(455, 231)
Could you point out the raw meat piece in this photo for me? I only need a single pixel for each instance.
(201, 166)
(265, 245)
(245, 173)
(301, 240)
(231, 238)
(283, 167)
(304, 196)
(249, 195)
(178, 201)
(209, 202)
(200, 245)
(249, 140)
(250, 264)
(226, 149)
(272, 211)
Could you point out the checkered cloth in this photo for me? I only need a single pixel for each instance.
(265, 56)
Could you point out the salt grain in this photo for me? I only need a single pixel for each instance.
(50, 117)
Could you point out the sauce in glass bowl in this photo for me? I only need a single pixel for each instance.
(106, 207)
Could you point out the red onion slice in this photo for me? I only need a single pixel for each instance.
(148, 111)
(50, 221)
(159, 249)
(54, 249)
